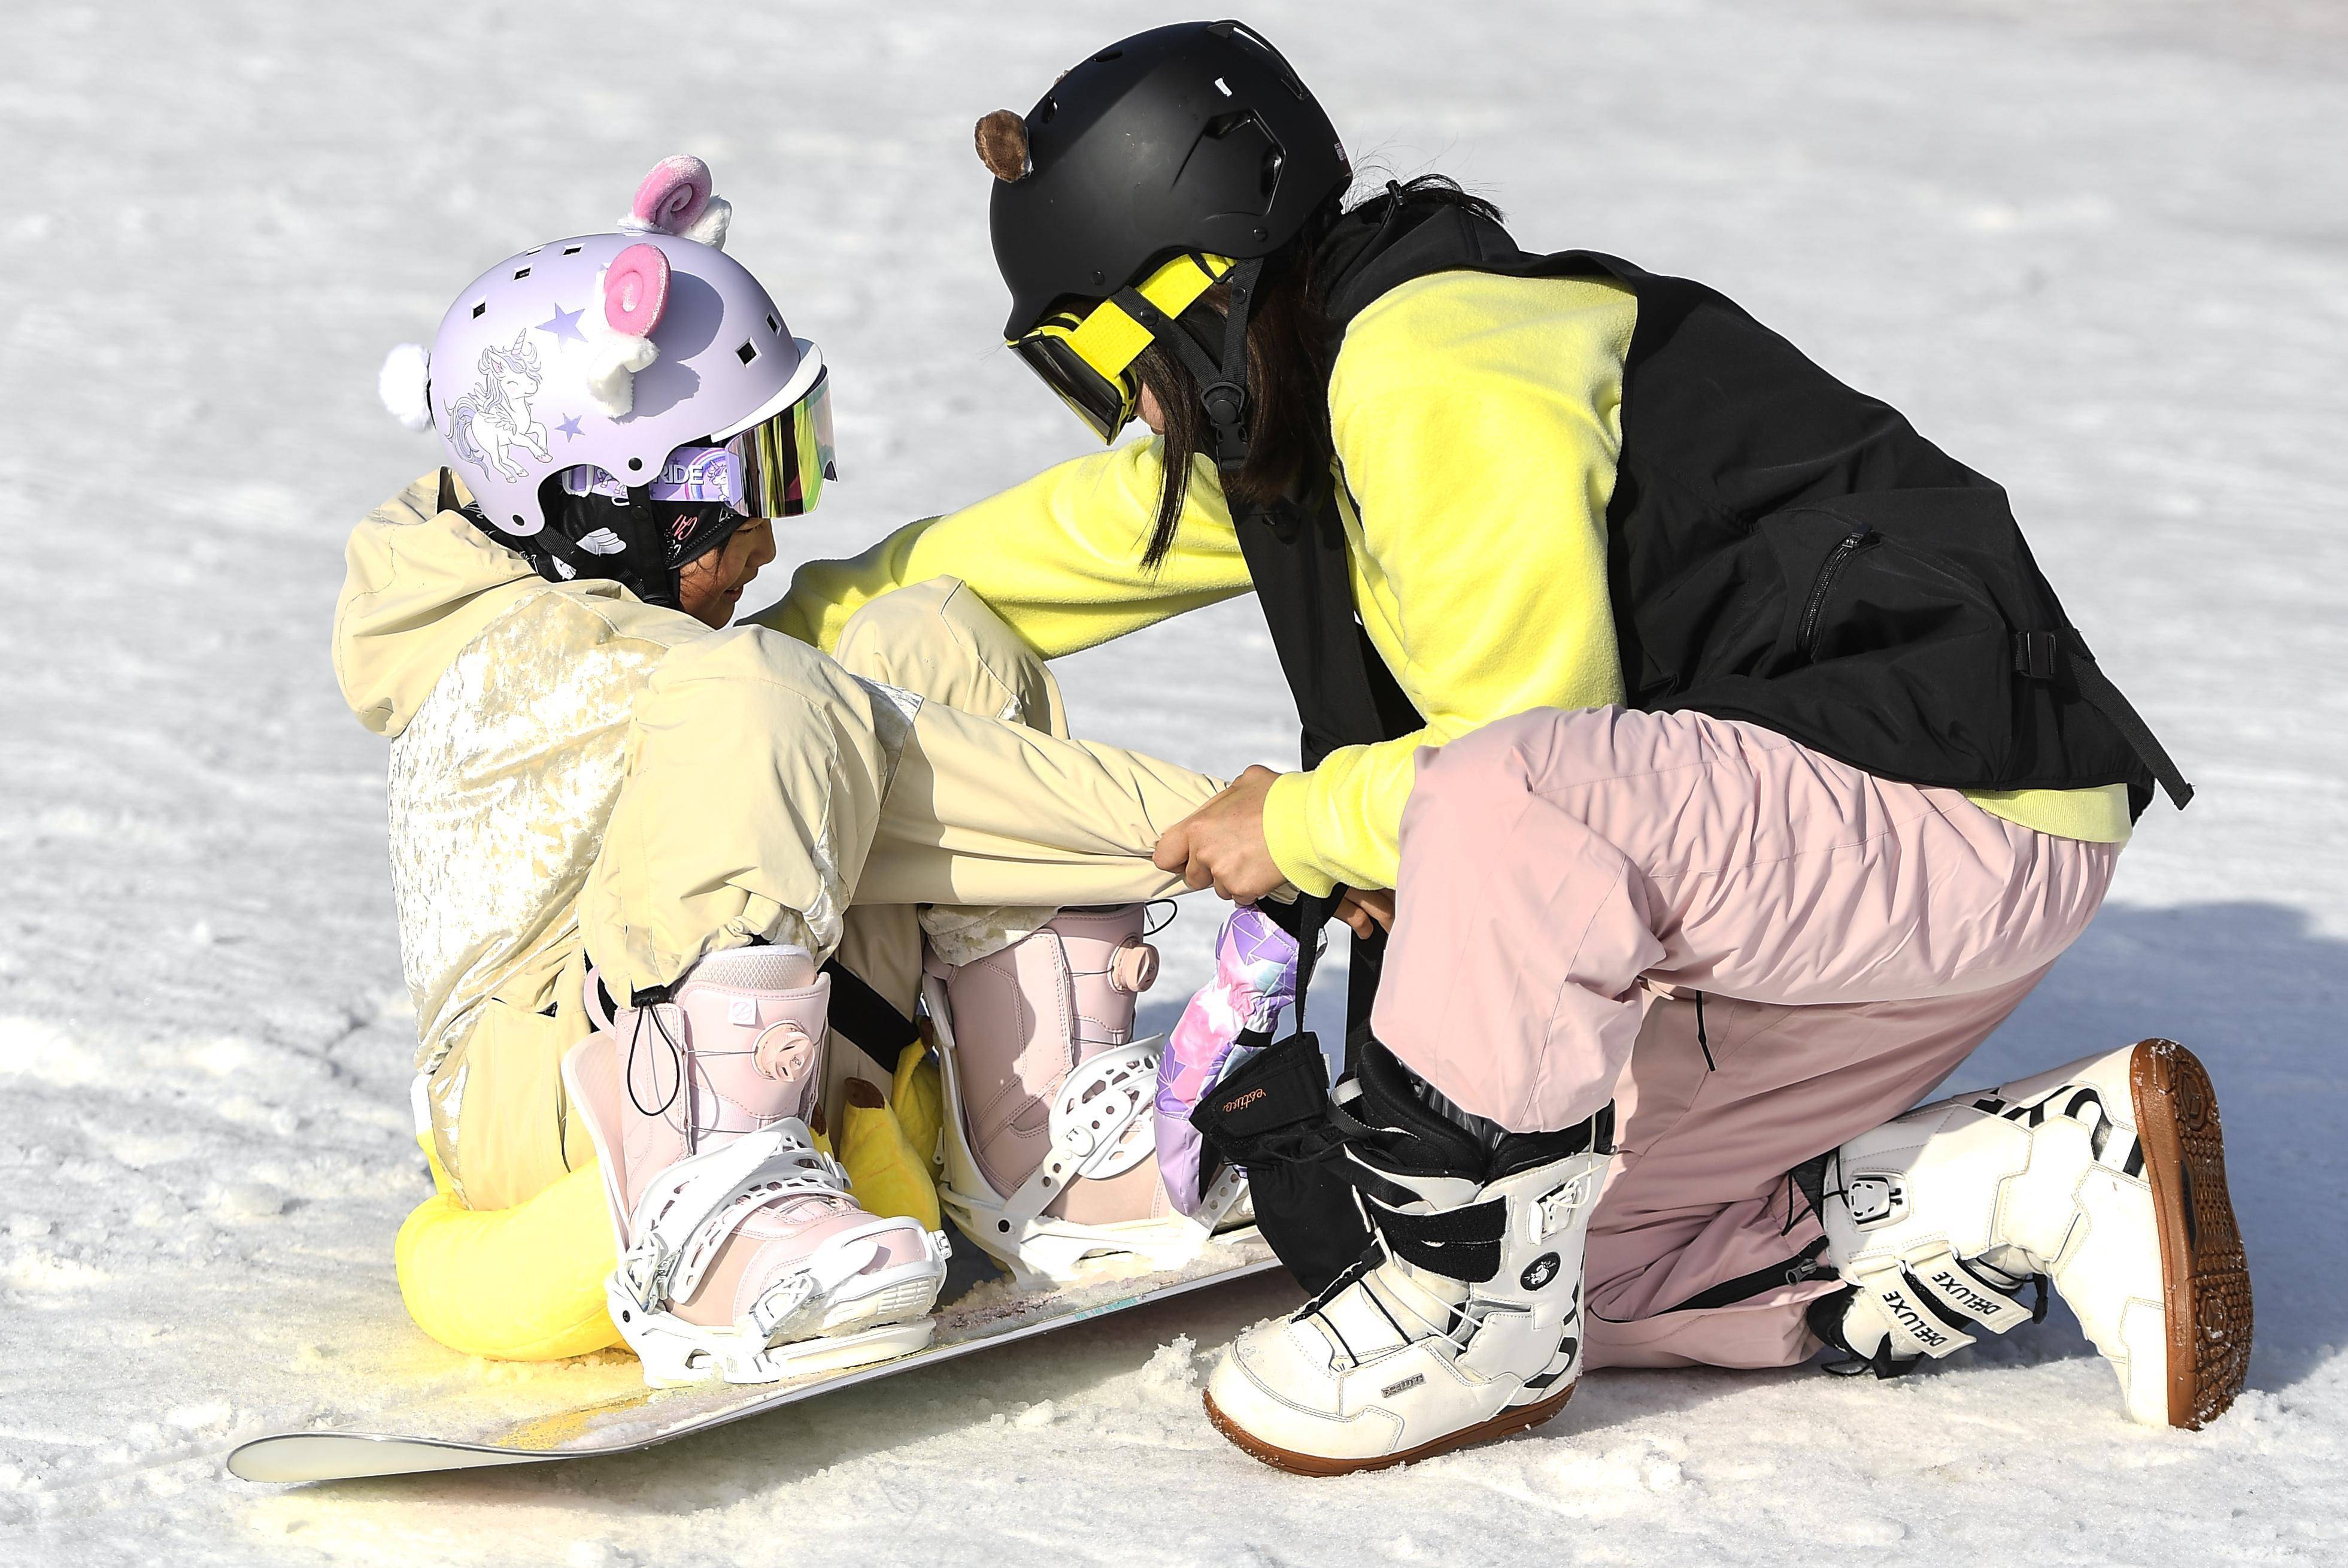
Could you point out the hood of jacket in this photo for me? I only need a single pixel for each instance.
(420, 583)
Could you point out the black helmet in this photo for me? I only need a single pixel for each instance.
(1193, 137)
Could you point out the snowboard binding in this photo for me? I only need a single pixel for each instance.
(1049, 1144)
(742, 1253)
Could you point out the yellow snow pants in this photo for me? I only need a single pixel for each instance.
(989, 809)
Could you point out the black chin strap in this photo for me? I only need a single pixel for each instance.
(1222, 387)
(548, 547)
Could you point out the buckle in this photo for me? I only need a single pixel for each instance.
(2035, 654)
(1559, 1206)
(646, 1271)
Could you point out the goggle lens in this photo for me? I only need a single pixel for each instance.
(776, 468)
(1088, 359)
(1105, 403)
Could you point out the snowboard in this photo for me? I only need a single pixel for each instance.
(603, 1408)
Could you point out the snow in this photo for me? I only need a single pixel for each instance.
(2095, 247)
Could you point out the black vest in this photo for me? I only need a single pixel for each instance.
(1780, 549)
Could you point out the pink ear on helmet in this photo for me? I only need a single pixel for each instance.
(636, 290)
(674, 194)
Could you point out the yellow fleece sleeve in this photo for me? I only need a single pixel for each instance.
(1477, 422)
(1058, 557)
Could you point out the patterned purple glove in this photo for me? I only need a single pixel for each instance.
(1254, 984)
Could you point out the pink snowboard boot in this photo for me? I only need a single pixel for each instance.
(742, 1254)
(1050, 1135)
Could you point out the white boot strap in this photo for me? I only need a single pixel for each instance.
(697, 1203)
(1963, 1290)
(1923, 1295)
(1913, 1327)
(1088, 1134)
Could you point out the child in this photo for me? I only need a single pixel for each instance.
(625, 840)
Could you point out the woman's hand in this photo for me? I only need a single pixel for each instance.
(1221, 844)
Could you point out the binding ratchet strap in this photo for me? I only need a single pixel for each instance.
(697, 1203)
(1087, 357)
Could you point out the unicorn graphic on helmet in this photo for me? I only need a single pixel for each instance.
(496, 414)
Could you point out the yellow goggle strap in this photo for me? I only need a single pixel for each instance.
(1110, 340)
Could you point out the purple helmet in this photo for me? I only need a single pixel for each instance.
(610, 352)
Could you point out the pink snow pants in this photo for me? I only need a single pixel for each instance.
(1755, 951)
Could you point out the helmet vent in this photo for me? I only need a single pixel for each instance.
(520, 273)
(772, 325)
(1222, 87)
(747, 351)
(572, 250)
(478, 308)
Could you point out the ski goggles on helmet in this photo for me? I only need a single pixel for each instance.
(775, 468)
(1087, 356)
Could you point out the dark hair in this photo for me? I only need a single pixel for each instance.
(1291, 349)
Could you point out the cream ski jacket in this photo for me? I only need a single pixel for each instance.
(576, 771)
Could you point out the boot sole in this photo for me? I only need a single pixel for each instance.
(2204, 1271)
(1516, 1419)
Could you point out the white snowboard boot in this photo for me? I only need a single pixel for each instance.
(1050, 1135)
(1463, 1322)
(742, 1254)
(2106, 1176)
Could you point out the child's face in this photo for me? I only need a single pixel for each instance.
(710, 585)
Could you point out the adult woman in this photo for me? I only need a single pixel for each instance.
(1767, 642)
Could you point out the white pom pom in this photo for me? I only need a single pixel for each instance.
(709, 228)
(613, 362)
(405, 385)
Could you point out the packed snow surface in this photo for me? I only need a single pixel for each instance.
(2097, 252)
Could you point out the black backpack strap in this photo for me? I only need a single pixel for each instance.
(2106, 699)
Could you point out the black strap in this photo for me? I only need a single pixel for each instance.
(542, 550)
(1222, 387)
(867, 1018)
(1803, 1266)
(1463, 1244)
(2107, 700)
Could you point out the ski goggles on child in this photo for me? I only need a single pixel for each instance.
(1087, 356)
(775, 468)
